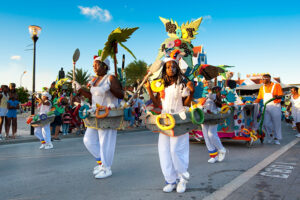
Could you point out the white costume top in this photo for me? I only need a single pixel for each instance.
(295, 102)
(44, 109)
(209, 103)
(172, 102)
(102, 95)
(268, 96)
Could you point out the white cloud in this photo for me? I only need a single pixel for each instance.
(207, 17)
(96, 13)
(15, 57)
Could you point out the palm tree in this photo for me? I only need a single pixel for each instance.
(82, 76)
(135, 71)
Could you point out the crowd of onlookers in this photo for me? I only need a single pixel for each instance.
(65, 123)
(8, 110)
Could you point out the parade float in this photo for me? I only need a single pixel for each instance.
(235, 119)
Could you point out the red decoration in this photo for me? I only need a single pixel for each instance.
(177, 42)
(235, 117)
(239, 121)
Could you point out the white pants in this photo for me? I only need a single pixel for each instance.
(101, 144)
(296, 114)
(43, 133)
(212, 140)
(272, 120)
(173, 155)
(293, 115)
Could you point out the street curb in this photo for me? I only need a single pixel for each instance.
(34, 139)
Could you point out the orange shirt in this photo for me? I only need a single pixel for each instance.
(276, 92)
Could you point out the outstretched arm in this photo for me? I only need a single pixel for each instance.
(188, 100)
(155, 99)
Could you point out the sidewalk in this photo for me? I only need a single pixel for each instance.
(23, 132)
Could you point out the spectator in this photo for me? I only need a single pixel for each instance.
(295, 104)
(66, 117)
(3, 107)
(12, 106)
(136, 106)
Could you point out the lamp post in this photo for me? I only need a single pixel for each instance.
(34, 33)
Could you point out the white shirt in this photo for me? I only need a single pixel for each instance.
(102, 95)
(295, 102)
(172, 102)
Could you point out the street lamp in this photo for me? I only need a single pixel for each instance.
(34, 33)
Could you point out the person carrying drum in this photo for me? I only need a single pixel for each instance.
(173, 151)
(43, 132)
(210, 131)
(105, 91)
(295, 104)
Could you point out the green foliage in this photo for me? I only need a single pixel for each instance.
(117, 36)
(134, 71)
(22, 94)
(82, 76)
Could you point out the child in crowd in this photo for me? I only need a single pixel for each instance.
(67, 119)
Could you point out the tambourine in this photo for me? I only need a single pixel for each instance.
(29, 120)
(98, 116)
(225, 109)
(162, 127)
(43, 117)
(157, 85)
(201, 116)
(35, 118)
(83, 111)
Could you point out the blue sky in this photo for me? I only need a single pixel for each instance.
(254, 36)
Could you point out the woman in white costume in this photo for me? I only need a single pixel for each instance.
(105, 90)
(210, 131)
(43, 132)
(295, 103)
(173, 151)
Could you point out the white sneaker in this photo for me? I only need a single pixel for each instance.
(42, 146)
(97, 169)
(49, 146)
(297, 135)
(169, 187)
(181, 186)
(276, 142)
(221, 155)
(104, 173)
(212, 160)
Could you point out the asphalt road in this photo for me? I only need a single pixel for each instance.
(65, 172)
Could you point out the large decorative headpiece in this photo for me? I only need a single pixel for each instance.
(179, 39)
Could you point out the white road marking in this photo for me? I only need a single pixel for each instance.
(277, 171)
(230, 187)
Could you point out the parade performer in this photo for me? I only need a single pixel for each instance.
(210, 131)
(173, 151)
(295, 104)
(43, 132)
(105, 90)
(272, 120)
